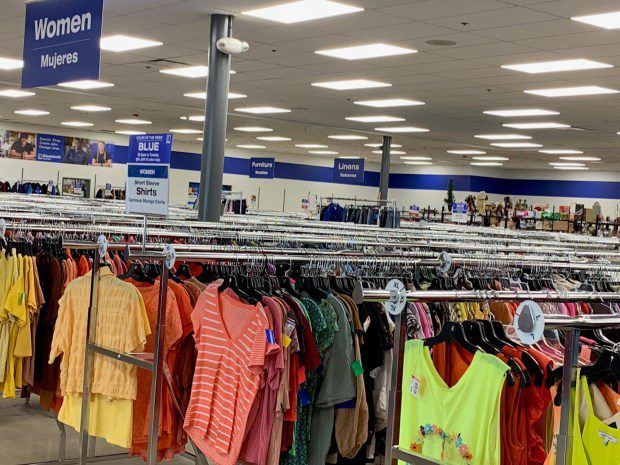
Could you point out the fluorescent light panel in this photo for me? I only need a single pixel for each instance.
(311, 146)
(262, 110)
(364, 52)
(15, 93)
(203, 95)
(186, 131)
(351, 84)
(123, 43)
(486, 163)
(561, 151)
(392, 152)
(402, 129)
(251, 146)
(571, 91)
(129, 132)
(580, 158)
(394, 146)
(375, 119)
(31, 112)
(304, 10)
(571, 168)
(196, 118)
(466, 152)
(609, 20)
(90, 108)
(502, 136)
(133, 121)
(77, 124)
(86, 84)
(253, 129)
(192, 72)
(8, 64)
(274, 138)
(352, 158)
(490, 158)
(347, 137)
(323, 152)
(416, 158)
(389, 103)
(521, 112)
(418, 163)
(541, 125)
(516, 145)
(566, 164)
(557, 66)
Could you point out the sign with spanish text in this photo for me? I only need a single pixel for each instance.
(349, 170)
(148, 172)
(61, 41)
(262, 168)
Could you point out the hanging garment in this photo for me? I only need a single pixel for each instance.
(458, 425)
(596, 443)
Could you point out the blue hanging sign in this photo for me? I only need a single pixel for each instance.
(148, 172)
(262, 168)
(349, 170)
(61, 41)
(50, 148)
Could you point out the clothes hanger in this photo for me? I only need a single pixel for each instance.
(136, 272)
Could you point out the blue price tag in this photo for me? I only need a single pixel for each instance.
(271, 339)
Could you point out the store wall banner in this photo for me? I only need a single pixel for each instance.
(262, 168)
(148, 172)
(349, 171)
(50, 148)
(61, 41)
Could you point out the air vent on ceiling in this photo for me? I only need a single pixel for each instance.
(441, 43)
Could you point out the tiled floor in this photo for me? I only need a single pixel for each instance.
(29, 435)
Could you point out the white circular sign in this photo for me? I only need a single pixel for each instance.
(103, 246)
(2, 227)
(171, 255)
(529, 322)
(445, 262)
(398, 297)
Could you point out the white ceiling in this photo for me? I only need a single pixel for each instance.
(457, 83)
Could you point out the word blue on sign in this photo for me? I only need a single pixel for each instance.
(61, 41)
(150, 148)
(349, 171)
(262, 168)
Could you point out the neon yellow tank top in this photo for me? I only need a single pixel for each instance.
(597, 443)
(458, 425)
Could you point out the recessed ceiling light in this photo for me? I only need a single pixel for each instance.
(251, 146)
(486, 163)
(253, 129)
(10, 63)
(86, 84)
(571, 168)
(77, 124)
(416, 158)
(129, 132)
(15, 93)
(133, 121)
(90, 108)
(559, 163)
(580, 158)
(561, 151)
(521, 112)
(557, 65)
(304, 10)
(200, 139)
(392, 152)
(375, 119)
(351, 84)
(605, 20)
(394, 146)
(197, 118)
(262, 110)
(491, 158)
(571, 91)
(31, 112)
(363, 52)
(502, 136)
(516, 145)
(186, 131)
(189, 71)
(274, 138)
(388, 103)
(323, 152)
(203, 95)
(347, 137)
(466, 152)
(123, 43)
(403, 129)
(418, 163)
(311, 146)
(541, 125)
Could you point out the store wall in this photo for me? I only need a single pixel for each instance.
(298, 177)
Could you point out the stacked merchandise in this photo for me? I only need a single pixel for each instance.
(29, 188)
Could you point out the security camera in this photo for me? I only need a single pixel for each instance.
(232, 46)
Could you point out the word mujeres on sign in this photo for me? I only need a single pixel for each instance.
(48, 29)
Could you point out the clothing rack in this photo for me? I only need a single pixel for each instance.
(571, 351)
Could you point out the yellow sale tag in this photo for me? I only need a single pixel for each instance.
(286, 341)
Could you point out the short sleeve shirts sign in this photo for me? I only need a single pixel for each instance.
(458, 425)
(231, 340)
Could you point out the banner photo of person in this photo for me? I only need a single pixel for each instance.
(78, 151)
(18, 145)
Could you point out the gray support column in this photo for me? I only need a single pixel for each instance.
(216, 115)
(384, 182)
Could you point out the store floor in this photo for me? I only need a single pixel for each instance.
(28, 434)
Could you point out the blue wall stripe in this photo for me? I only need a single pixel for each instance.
(439, 182)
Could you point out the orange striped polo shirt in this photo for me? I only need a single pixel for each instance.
(231, 342)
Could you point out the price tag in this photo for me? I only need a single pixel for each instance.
(286, 341)
(414, 388)
(357, 368)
